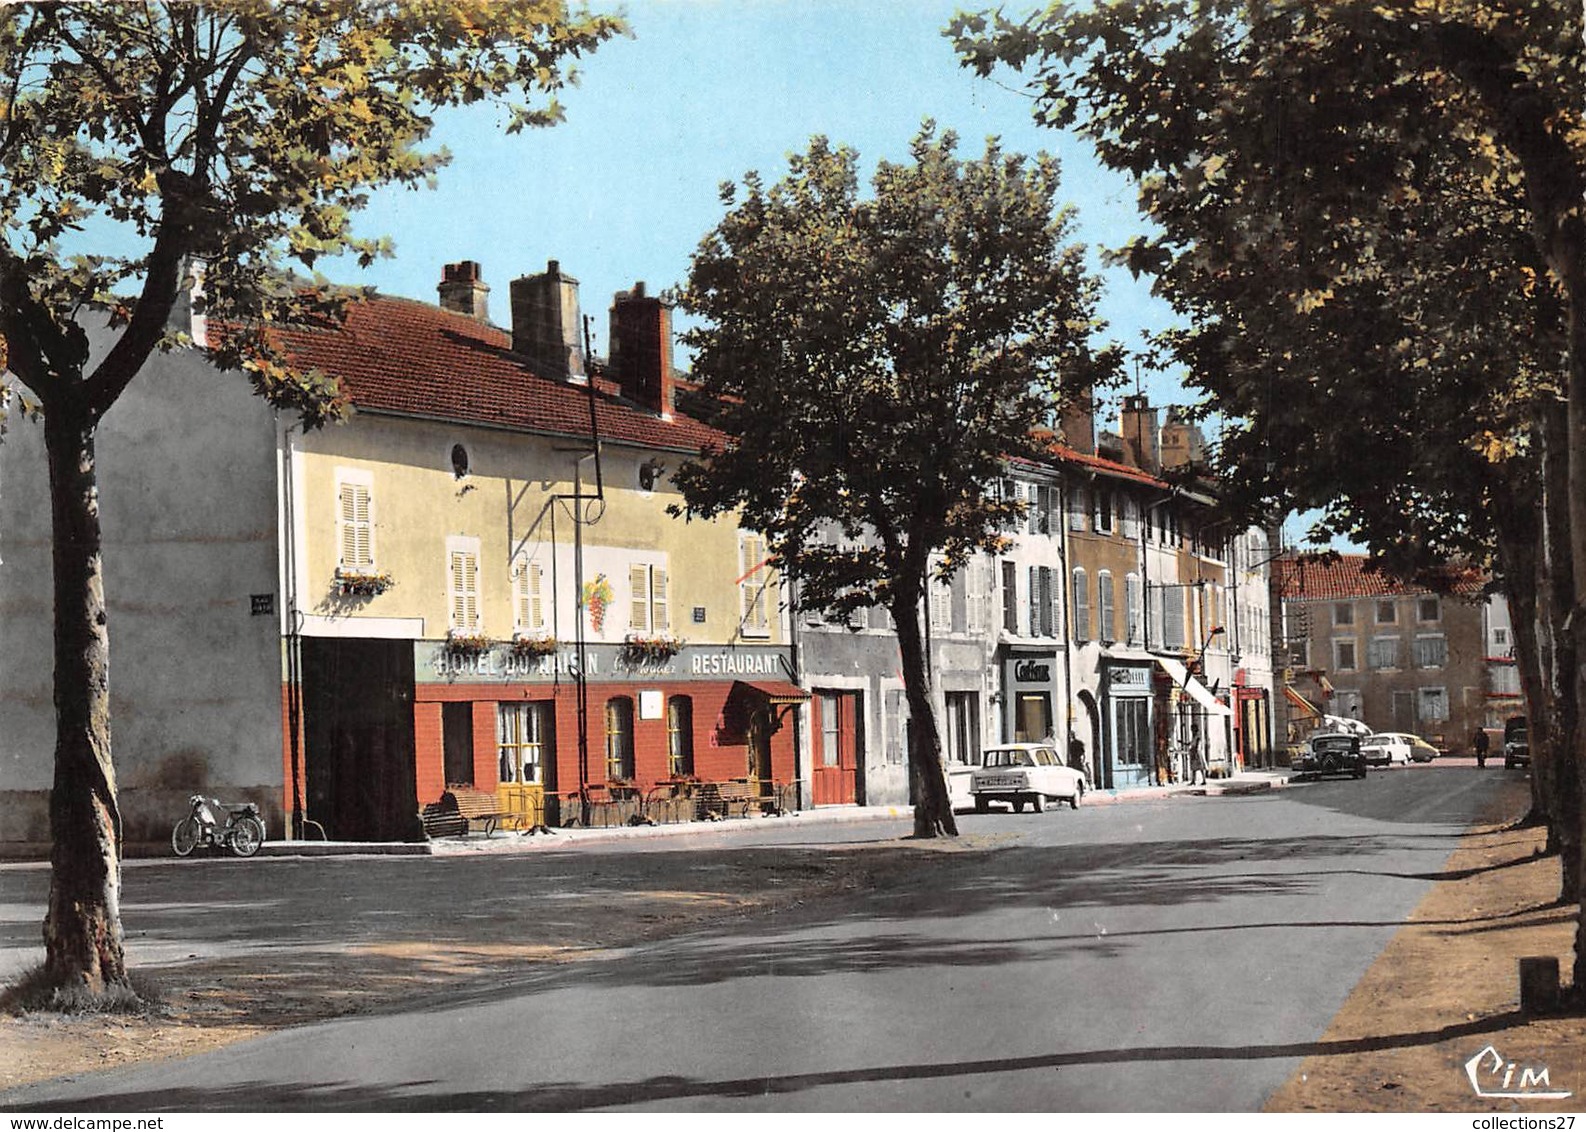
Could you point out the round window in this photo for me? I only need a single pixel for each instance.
(459, 461)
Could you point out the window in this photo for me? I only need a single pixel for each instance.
(1076, 509)
(1343, 613)
(897, 723)
(523, 738)
(1344, 655)
(355, 521)
(1131, 519)
(1131, 609)
(1383, 652)
(647, 611)
(1172, 617)
(978, 603)
(830, 747)
(938, 602)
(1104, 601)
(619, 738)
(1434, 705)
(1500, 637)
(1041, 595)
(1429, 609)
(1387, 613)
(463, 572)
(680, 736)
(1103, 511)
(962, 731)
(1431, 652)
(528, 601)
(1300, 652)
(459, 461)
(754, 575)
(1081, 607)
(1040, 517)
(1505, 680)
(1010, 597)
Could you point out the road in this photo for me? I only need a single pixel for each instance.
(1178, 954)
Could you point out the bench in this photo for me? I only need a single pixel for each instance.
(459, 808)
(746, 797)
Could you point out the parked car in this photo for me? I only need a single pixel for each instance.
(1516, 742)
(1421, 751)
(1386, 748)
(1333, 753)
(1020, 773)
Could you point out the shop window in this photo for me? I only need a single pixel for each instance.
(680, 736)
(523, 741)
(619, 739)
(457, 743)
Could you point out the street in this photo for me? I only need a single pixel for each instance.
(1176, 954)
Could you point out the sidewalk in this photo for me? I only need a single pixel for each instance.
(510, 841)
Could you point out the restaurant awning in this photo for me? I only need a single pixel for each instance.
(775, 692)
(1197, 691)
(1301, 702)
(746, 697)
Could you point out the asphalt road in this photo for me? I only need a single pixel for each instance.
(1180, 954)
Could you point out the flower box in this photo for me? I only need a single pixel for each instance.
(362, 583)
(532, 647)
(467, 644)
(649, 650)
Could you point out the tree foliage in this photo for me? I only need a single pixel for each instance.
(1370, 215)
(875, 359)
(138, 140)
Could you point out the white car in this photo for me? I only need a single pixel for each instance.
(1387, 748)
(1021, 773)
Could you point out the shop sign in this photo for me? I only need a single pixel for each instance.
(434, 663)
(1122, 679)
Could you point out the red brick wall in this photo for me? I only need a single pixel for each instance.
(487, 765)
(429, 752)
(286, 755)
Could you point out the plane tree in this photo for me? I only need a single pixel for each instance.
(1371, 216)
(142, 143)
(873, 360)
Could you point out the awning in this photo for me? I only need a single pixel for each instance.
(1197, 691)
(1301, 702)
(778, 693)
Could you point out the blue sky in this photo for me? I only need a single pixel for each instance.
(703, 92)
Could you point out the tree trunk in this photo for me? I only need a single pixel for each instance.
(1519, 553)
(933, 808)
(82, 928)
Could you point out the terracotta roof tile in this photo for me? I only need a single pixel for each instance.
(402, 356)
(1302, 578)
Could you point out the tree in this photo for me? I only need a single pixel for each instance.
(238, 135)
(1372, 213)
(873, 363)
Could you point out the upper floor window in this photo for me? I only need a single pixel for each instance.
(1076, 508)
(1081, 607)
(1343, 613)
(647, 607)
(1429, 609)
(1172, 617)
(1387, 613)
(1103, 511)
(1344, 655)
(528, 594)
(463, 575)
(1431, 652)
(1500, 637)
(754, 577)
(938, 602)
(1010, 596)
(354, 520)
(1384, 652)
(1132, 609)
(1104, 604)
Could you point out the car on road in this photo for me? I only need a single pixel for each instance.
(1420, 750)
(1025, 774)
(1333, 753)
(1386, 748)
(1516, 742)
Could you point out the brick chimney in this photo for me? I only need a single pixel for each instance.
(1137, 424)
(545, 323)
(463, 290)
(1183, 443)
(1078, 420)
(641, 349)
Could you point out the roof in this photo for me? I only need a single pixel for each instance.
(1342, 576)
(402, 356)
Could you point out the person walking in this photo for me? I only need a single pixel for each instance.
(1479, 742)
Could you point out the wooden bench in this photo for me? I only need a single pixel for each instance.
(746, 797)
(459, 808)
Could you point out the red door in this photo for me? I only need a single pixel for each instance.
(836, 768)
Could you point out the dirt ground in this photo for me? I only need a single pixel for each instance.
(1445, 988)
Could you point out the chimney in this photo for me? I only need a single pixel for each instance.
(1182, 441)
(463, 290)
(1137, 423)
(545, 323)
(1078, 420)
(641, 349)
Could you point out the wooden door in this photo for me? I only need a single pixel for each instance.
(836, 758)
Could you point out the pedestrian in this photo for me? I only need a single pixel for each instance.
(1479, 741)
(1077, 758)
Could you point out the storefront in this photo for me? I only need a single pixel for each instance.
(1029, 691)
(1128, 715)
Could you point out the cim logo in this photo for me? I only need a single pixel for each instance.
(1491, 1076)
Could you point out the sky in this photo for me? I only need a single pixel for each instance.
(703, 92)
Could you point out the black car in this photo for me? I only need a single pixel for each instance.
(1516, 742)
(1334, 753)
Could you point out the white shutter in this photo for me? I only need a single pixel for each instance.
(639, 602)
(658, 599)
(356, 549)
(521, 599)
(751, 551)
(536, 596)
(465, 591)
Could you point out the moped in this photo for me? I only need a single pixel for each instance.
(236, 826)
